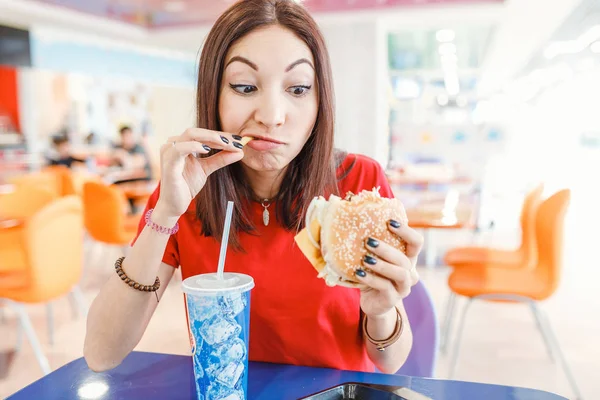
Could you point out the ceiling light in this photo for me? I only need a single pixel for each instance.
(445, 35)
(442, 100)
(588, 38)
(461, 101)
(595, 47)
(447, 48)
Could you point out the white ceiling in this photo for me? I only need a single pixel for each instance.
(520, 29)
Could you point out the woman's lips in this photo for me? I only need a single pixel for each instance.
(263, 145)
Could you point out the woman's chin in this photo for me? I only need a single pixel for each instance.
(263, 163)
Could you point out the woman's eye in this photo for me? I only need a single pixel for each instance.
(243, 89)
(299, 91)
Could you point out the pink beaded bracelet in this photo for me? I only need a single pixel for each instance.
(159, 228)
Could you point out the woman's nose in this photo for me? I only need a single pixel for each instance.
(270, 112)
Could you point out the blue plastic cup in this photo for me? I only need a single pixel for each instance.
(219, 322)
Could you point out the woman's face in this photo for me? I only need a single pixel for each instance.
(269, 92)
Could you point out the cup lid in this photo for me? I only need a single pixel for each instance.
(210, 284)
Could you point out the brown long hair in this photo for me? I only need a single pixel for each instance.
(312, 172)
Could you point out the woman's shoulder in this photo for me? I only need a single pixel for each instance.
(358, 172)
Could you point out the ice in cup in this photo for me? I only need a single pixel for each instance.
(219, 317)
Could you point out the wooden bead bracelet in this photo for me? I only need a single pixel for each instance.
(133, 284)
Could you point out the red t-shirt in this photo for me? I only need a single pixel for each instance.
(294, 318)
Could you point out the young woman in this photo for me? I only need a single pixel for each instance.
(264, 72)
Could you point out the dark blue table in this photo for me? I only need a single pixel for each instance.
(148, 376)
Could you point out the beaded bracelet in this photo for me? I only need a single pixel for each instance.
(134, 284)
(159, 228)
(381, 345)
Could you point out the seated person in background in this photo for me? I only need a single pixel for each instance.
(132, 157)
(63, 152)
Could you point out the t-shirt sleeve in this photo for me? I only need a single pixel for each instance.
(366, 174)
(381, 181)
(171, 255)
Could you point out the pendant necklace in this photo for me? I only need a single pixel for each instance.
(266, 211)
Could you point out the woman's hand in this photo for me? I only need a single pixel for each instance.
(392, 273)
(183, 174)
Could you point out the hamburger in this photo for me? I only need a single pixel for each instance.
(336, 230)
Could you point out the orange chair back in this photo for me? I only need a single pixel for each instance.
(25, 201)
(528, 213)
(549, 228)
(64, 177)
(104, 213)
(53, 241)
(44, 179)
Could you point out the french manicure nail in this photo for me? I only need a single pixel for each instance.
(225, 140)
(361, 273)
(206, 147)
(370, 260)
(394, 224)
(236, 137)
(372, 243)
(238, 145)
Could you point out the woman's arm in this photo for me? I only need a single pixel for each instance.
(393, 357)
(120, 314)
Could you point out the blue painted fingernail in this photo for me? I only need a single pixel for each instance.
(370, 260)
(225, 140)
(205, 147)
(361, 273)
(394, 224)
(236, 137)
(238, 145)
(372, 242)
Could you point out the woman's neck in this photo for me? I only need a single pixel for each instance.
(264, 184)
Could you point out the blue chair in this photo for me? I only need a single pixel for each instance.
(423, 322)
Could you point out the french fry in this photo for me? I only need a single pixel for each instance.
(246, 139)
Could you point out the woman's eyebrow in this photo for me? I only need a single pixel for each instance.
(298, 62)
(242, 60)
(255, 67)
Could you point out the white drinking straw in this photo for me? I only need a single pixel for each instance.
(225, 240)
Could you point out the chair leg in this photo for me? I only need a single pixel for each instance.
(545, 323)
(50, 321)
(461, 325)
(78, 302)
(447, 325)
(32, 337)
(539, 323)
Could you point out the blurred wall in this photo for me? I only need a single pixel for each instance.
(358, 58)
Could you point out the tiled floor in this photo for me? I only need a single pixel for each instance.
(500, 343)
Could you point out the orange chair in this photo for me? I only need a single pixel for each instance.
(43, 179)
(51, 244)
(497, 283)
(523, 257)
(105, 216)
(64, 177)
(463, 256)
(25, 201)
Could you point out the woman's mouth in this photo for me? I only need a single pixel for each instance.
(260, 143)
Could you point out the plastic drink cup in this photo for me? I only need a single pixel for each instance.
(219, 319)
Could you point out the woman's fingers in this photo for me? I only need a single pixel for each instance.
(388, 253)
(374, 281)
(220, 160)
(214, 139)
(393, 272)
(413, 239)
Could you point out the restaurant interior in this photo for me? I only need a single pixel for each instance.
(483, 114)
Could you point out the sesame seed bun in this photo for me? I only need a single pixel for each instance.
(337, 229)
